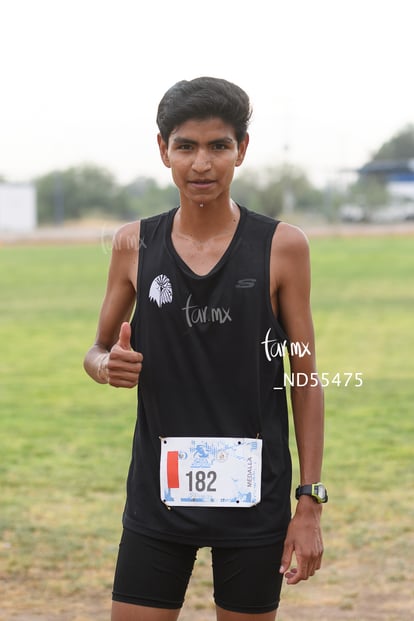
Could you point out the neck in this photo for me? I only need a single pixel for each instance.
(206, 221)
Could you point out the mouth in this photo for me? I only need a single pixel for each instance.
(201, 183)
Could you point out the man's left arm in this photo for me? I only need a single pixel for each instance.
(290, 269)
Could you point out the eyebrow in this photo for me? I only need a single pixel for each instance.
(183, 140)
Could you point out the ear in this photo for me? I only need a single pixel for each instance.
(163, 147)
(242, 148)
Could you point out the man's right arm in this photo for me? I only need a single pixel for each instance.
(111, 359)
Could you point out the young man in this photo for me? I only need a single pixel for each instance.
(220, 294)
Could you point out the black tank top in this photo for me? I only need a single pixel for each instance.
(207, 371)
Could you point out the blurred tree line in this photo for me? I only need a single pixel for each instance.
(92, 191)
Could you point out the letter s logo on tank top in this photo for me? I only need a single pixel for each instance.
(161, 290)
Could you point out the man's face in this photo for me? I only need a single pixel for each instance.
(202, 155)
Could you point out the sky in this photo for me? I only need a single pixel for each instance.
(80, 80)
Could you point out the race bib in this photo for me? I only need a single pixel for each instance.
(210, 472)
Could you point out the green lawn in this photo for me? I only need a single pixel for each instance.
(65, 442)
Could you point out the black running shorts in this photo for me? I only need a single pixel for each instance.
(155, 573)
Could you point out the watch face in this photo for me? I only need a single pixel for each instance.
(321, 492)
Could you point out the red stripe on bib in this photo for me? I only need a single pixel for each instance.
(172, 469)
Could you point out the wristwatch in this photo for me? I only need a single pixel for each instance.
(316, 490)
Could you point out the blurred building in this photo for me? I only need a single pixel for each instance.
(397, 175)
(18, 208)
(398, 178)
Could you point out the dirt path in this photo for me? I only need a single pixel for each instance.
(102, 232)
(346, 589)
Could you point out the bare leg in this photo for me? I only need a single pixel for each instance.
(227, 615)
(131, 612)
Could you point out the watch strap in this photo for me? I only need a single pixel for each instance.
(304, 490)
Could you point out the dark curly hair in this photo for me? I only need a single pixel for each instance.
(204, 98)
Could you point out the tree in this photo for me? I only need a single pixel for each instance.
(399, 147)
(245, 190)
(147, 197)
(276, 190)
(80, 191)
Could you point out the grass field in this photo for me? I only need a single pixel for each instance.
(65, 442)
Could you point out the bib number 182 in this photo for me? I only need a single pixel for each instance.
(201, 481)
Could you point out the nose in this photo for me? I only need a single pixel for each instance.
(201, 162)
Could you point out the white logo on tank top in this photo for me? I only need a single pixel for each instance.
(161, 290)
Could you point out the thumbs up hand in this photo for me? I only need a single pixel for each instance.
(124, 364)
(125, 336)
